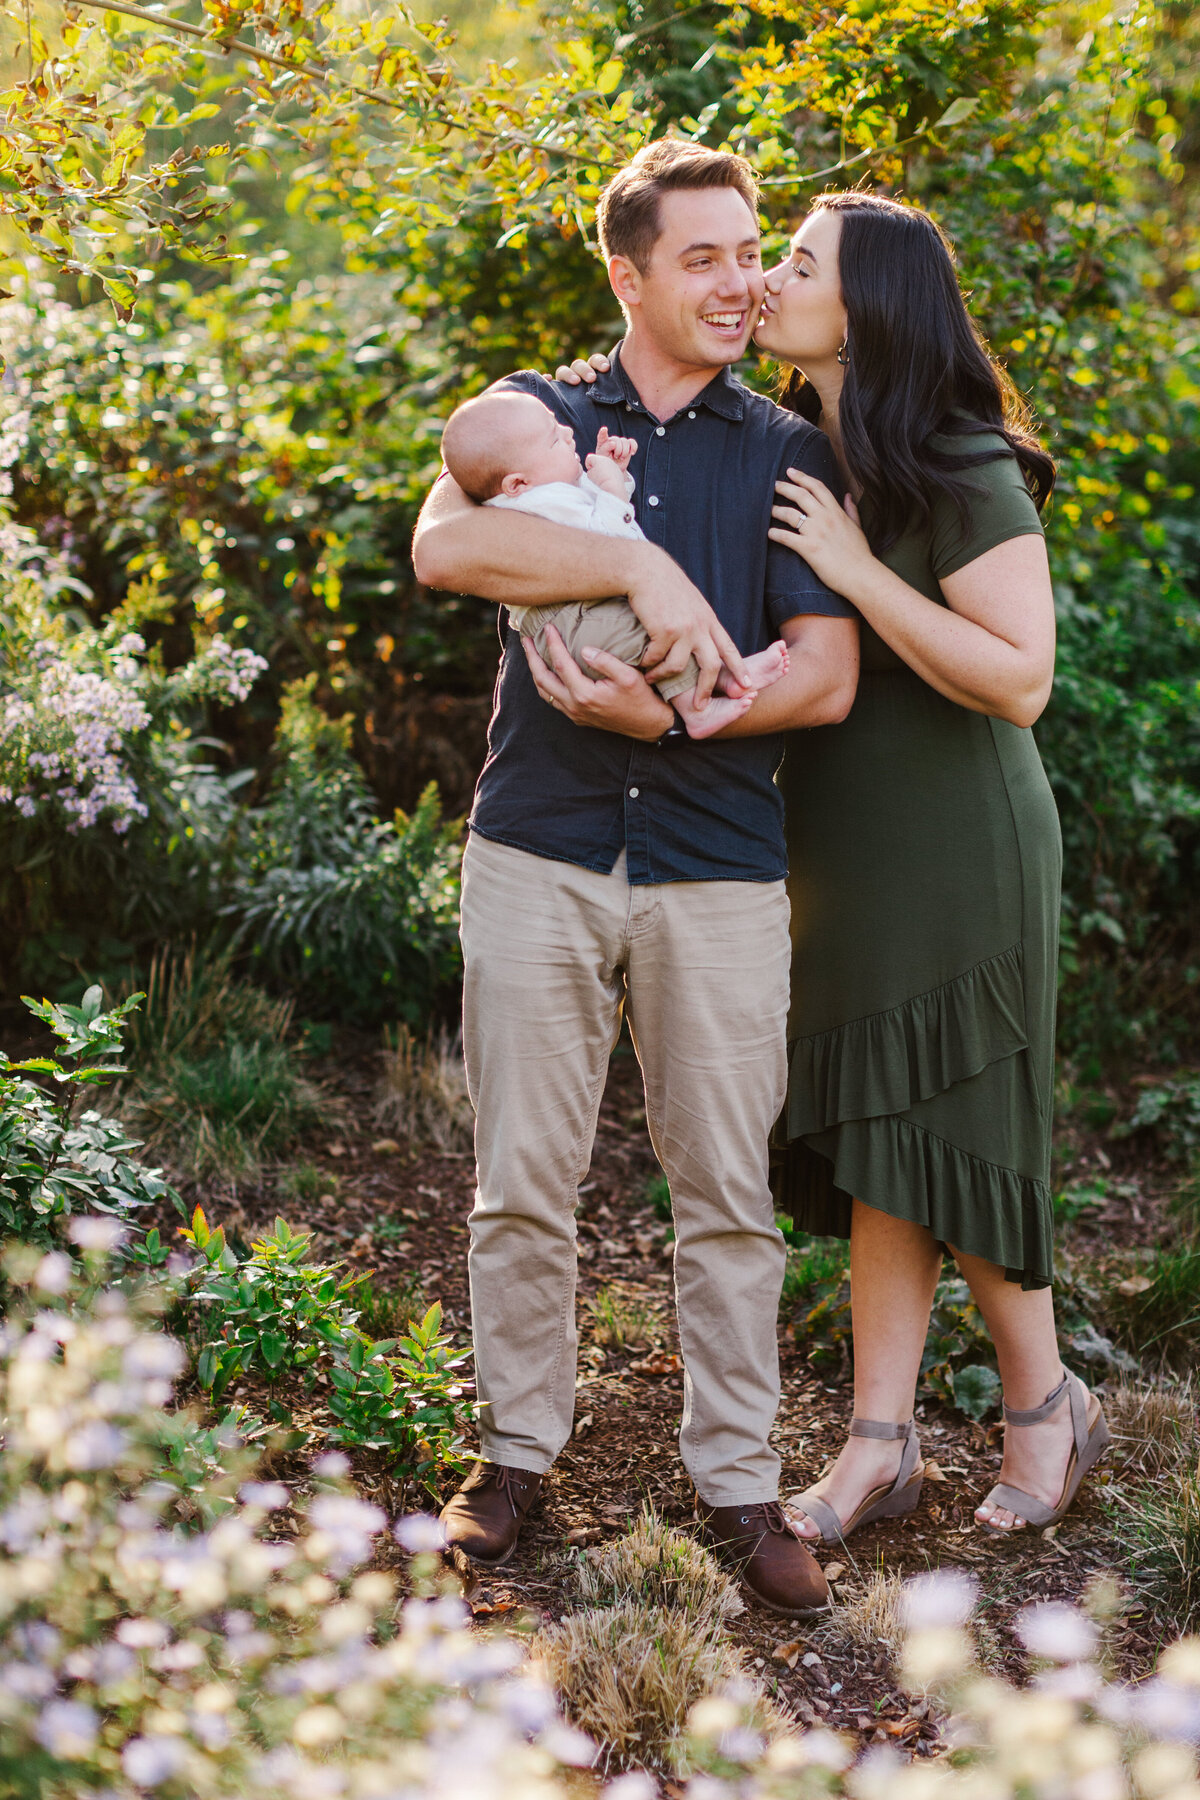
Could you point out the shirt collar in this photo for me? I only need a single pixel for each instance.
(724, 394)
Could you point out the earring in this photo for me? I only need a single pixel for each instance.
(843, 354)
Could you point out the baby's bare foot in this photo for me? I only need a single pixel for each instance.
(715, 716)
(765, 666)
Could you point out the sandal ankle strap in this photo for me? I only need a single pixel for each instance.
(877, 1428)
(1034, 1415)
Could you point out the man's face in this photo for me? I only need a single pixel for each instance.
(698, 298)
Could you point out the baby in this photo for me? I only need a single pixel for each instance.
(507, 449)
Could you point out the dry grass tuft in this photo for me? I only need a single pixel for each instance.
(871, 1616)
(621, 1320)
(422, 1091)
(630, 1674)
(1155, 1425)
(660, 1567)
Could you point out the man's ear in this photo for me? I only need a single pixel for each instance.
(513, 484)
(625, 280)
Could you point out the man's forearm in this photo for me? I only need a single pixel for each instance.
(514, 557)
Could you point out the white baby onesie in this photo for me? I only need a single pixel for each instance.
(580, 503)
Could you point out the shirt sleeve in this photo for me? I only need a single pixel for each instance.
(1002, 509)
(792, 587)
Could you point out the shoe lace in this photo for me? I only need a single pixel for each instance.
(504, 1478)
(769, 1513)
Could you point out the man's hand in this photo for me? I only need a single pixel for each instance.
(680, 623)
(622, 700)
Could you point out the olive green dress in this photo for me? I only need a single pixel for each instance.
(925, 861)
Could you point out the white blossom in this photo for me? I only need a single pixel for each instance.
(93, 1231)
(269, 1495)
(420, 1532)
(944, 1597)
(1056, 1631)
(149, 1761)
(67, 1728)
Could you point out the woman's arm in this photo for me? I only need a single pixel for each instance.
(990, 648)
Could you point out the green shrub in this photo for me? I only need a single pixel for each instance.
(276, 1316)
(1170, 1112)
(216, 1084)
(357, 915)
(57, 1162)
(271, 1314)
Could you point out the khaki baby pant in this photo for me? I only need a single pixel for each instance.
(610, 625)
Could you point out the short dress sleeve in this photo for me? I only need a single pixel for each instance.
(1003, 508)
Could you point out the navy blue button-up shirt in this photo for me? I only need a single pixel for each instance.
(684, 811)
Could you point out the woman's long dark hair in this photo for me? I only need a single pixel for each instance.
(917, 371)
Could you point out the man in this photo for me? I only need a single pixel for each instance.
(616, 863)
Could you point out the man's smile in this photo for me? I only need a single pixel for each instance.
(727, 321)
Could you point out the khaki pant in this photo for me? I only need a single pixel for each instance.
(610, 625)
(552, 954)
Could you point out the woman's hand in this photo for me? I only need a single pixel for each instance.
(827, 536)
(622, 700)
(579, 370)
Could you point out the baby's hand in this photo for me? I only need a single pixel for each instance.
(619, 450)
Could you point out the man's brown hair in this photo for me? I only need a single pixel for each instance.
(628, 214)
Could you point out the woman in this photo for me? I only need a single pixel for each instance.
(925, 857)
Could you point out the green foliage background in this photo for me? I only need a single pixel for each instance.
(234, 380)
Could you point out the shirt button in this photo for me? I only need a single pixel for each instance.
(660, 431)
(654, 499)
(691, 415)
(634, 792)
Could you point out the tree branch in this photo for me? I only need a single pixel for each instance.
(334, 83)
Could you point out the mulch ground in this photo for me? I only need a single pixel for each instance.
(624, 1455)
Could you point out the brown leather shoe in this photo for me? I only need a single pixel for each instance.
(767, 1554)
(485, 1517)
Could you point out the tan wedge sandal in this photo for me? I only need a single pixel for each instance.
(1090, 1441)
(885, 1502)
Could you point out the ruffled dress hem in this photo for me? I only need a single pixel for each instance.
(906, 1171)
(846, 1135)
(886, 1062)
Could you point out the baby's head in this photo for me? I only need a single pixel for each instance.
(505, 442)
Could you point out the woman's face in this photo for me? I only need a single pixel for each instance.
(803, 320)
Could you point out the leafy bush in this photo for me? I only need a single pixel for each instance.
(357, 915)
(276, 1316)
(114, 824)
(1170, 1110)
(216, 1084)
(55, 1162)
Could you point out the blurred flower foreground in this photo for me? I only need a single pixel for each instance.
(174, 1622)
